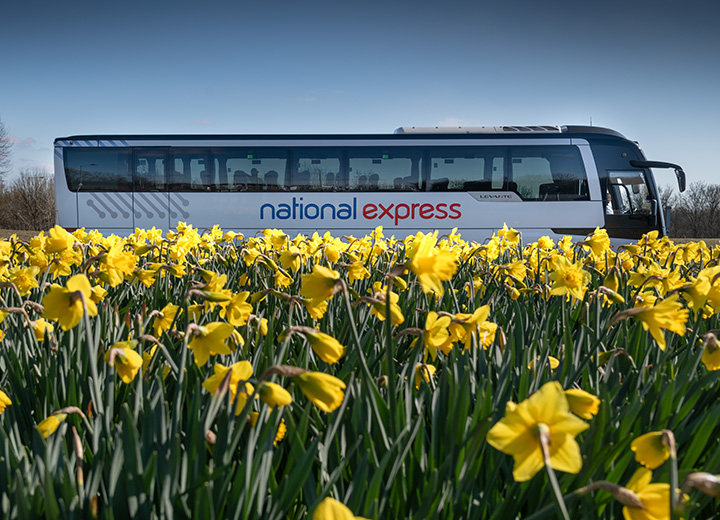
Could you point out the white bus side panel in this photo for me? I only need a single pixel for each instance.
(399, 213)
(152, 209)
(105, 210)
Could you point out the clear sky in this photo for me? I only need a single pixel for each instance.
(647, 68)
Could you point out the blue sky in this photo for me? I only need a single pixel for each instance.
(649, 69)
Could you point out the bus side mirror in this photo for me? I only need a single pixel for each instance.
(679, 173)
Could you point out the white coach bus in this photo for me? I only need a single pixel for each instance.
(541, 180)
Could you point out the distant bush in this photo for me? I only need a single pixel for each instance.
(28, 201)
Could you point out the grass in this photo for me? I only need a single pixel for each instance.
(22, 234)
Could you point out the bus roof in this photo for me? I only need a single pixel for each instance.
(419, 132)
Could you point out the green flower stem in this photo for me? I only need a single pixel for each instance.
(544, 436)
(389, 359)
(93, 360)
(669, 440)
(368, 379)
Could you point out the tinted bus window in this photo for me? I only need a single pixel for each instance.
(248, 169)
(318, 169)
(93, 169)
(149, 171)
(467, 169)
(388, 169)
(548, 173)
(191, 171)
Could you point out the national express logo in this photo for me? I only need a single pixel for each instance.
(298, 210)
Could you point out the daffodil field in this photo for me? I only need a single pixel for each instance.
(211, 375)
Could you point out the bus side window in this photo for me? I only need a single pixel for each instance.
(92, 169)
(149, 171)
(548, 173)
(311, 167)
(249, 169)
(191, 171)
(470, 168)
(384, 169)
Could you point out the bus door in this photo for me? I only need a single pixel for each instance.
(150, 195)
(630, 211)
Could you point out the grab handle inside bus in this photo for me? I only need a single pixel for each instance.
(679, 173)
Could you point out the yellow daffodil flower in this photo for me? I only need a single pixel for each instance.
(517, 433)
(378, 309)
(237, 310)
(320, 285)
(331, 509)
(326, 347)
(4, 401)
(324, 391)
(582, 403)
(569, 278)
(127, 362)
(650, 450)
(424, 372)
(291, 259)
(281, 431)
(41, 328)
(49, 425)
(165, 319)
(436, 332)
(24, 278)
(210, 340)
(240, 372)
(58, 240)
(599, 242)
(431, 265)
(64, 304)
(272, 394)
(655, 498)
(552, 361)
(357, 271)
(711, 352)
(668, 314)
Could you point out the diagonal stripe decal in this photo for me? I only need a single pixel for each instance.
(112, 200)
(154, 201)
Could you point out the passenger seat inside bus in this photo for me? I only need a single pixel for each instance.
(240, 180)
(329, 184)
(477, 186)
(439, 184)
(271, 181)
(406, 183)
(564, 189)
(374, 182)
(303, 180)
(207, 183)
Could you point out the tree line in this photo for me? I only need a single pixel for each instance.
(27, 201)
(694, 213)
